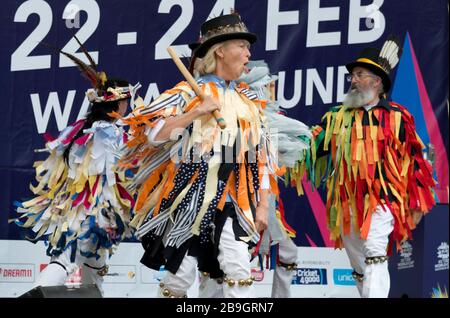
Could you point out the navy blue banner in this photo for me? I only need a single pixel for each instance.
(307, 43)
(425, 258)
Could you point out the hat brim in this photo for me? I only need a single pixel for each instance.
(111, 100)
(193, 46)
(374, 69)
(200, 50)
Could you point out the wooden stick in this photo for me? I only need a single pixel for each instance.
(272, 91)
(190, 79)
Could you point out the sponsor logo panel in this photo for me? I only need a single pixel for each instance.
(17, 273)
(122, 274)
(310, 276)
(442, 257)
(406, 260)
(343, 277)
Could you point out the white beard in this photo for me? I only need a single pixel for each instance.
(356, 98)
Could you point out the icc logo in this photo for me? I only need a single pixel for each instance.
(407, 250)
(442, 251)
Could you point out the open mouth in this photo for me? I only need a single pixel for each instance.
(246, 69)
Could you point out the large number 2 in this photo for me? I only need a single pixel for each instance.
(187, 11)
(92, 9)
(22, 61)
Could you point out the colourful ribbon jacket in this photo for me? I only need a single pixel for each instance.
(183, 182)
(80, 201)
(369, 158)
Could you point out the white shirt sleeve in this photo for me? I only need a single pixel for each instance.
(152, 132)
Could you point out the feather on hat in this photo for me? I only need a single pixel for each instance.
(380, 62)
(99, 92)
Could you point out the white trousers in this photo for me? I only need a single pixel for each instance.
(55, 274)
(376, 281)
(210, 288)
(282, 278)
(234, 260)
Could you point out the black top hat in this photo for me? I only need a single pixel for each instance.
(220, 29)
(380, 62)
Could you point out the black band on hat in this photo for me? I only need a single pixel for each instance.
(369, 60)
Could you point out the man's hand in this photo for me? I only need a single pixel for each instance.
(417, 216)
